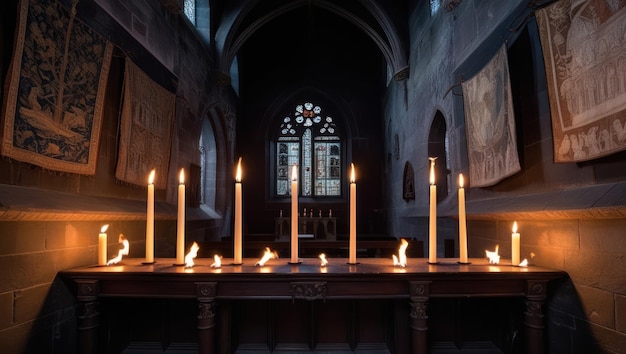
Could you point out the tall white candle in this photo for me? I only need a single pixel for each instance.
(462, 223)
(238, 252)
(352, 256)
(150, 220)
(432, 216)
(102, 246)
(515, 246)
(294, 214)
(180, 235)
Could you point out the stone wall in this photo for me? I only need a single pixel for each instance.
(49, 221)
(571, 216)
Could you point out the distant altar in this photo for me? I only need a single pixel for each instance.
(320, 227)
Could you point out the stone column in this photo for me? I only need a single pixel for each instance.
(533, 317)
(418, 295)
(205, 292)
(88, 315)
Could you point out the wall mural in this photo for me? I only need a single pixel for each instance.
(584, 49)
(56, 89)
(490, 124)
(146, 130)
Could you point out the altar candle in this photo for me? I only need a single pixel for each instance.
(352, 256)
(150, 220)
(102, 246)
(515, 246)
(294, 214)
(180, 236)
(462, 223)
(432, 230)
(238, 236)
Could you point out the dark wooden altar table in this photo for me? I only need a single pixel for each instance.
(372, 278)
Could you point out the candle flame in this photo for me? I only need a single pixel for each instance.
(122, 252)
(217, 262)
(400, 260)
(266, 257)
(193, 253)
(151, 178)
(324, 261)
(352, 178)
(238, 175)
(294, 172)
(524, 263)
(432, 169)
(104, 228)
(182, 176)
(494, 257)
(514, 226)
(461, 180)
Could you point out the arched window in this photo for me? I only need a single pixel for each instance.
(309, 139)
(208, 165)
(438, 147)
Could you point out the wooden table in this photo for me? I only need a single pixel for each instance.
(372, 278)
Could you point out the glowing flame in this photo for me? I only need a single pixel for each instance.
(352, 178)
(461, 180)
(181, 178)
(494, 257)
(400, 260)
(122, 252)
(524, 263)
(104, 228)
(217, 262)
(151, 178)
(267, 256)
(324, 261)
(515, 227)
(238, 175)
(432, 169)
(193, 252)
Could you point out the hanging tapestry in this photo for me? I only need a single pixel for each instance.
(56, 90)
(584, 50)
(146, 129)
(490, 124)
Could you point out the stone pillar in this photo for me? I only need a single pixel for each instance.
(205, 292)
(533, 317)
(418, 295)
(88, 315)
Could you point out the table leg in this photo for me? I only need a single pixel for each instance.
(205, 293)
(419, 293)
(88, 316)
(533, 317)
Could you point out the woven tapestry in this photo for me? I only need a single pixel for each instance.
(490, 124)
(584, 49)
(146, 129)
(56, 90)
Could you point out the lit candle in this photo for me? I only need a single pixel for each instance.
(238, 237)
(515, 254)
(352, 256)
(294, 214)
(462, 223)
(150, 220)
(180, 235)
(432, 217)
(102, 246)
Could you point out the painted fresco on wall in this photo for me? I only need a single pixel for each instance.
(490, 124)
(56, 89)
(584, 49)
(146, 129)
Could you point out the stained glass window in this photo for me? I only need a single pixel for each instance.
(189, 7)
(309, 139)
